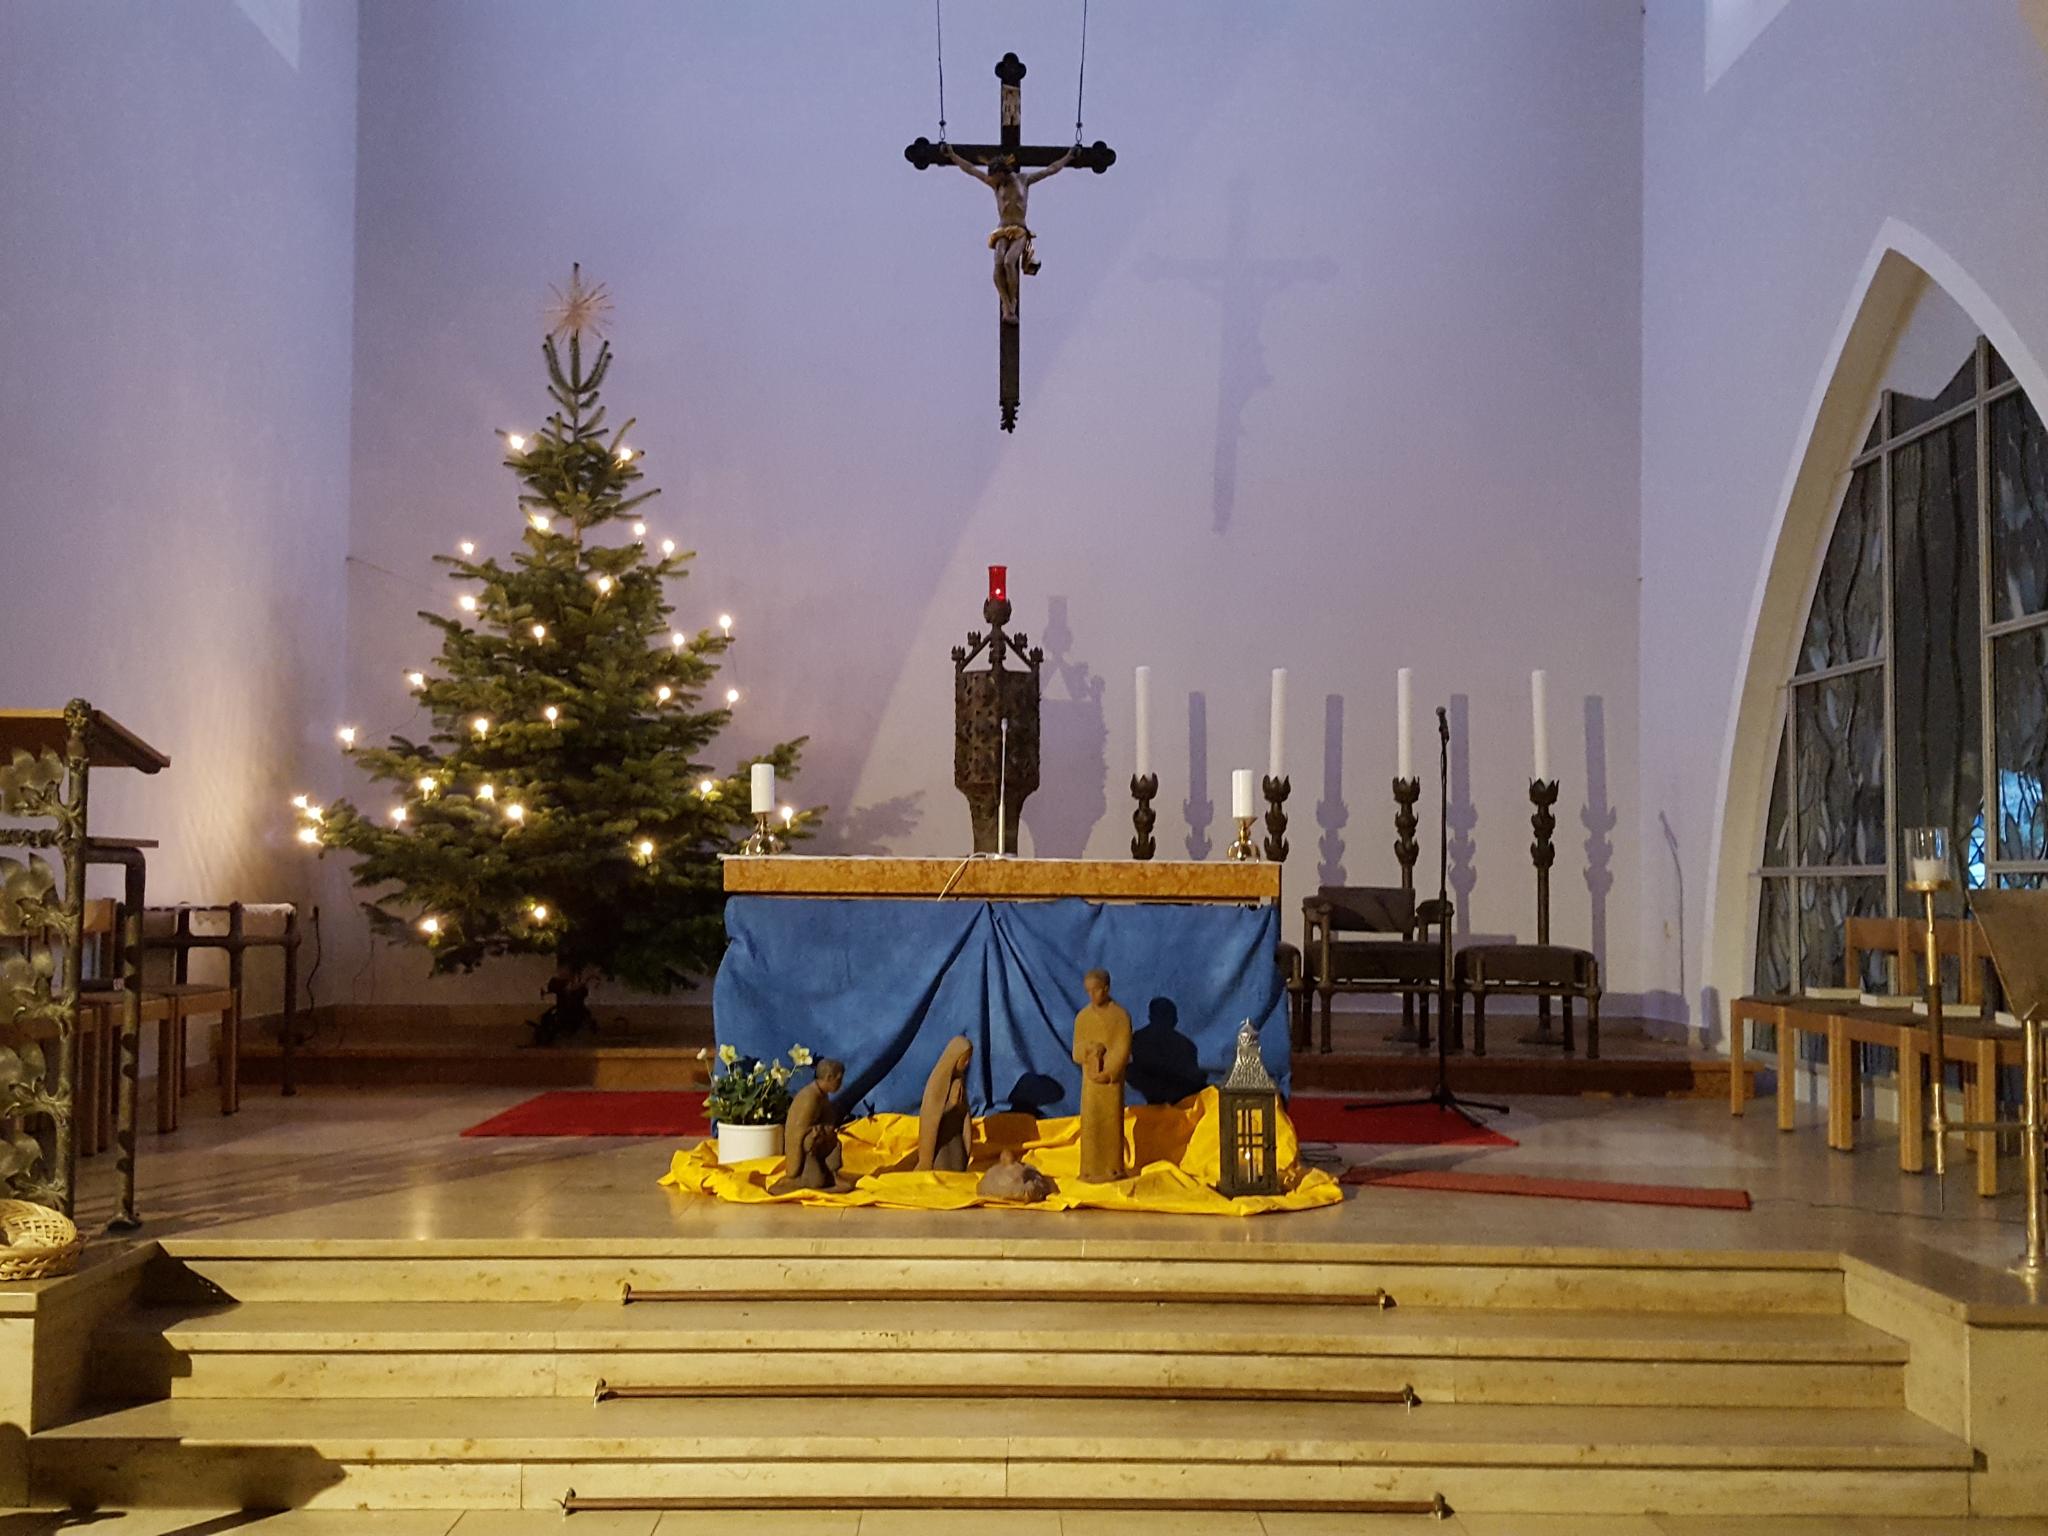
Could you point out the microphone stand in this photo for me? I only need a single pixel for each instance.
(1441, 1096)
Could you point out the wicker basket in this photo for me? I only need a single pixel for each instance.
(36, 1242)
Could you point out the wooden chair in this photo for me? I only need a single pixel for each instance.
(198, 1000)
(1896, 937)
(100, 1005)
(1372, 939)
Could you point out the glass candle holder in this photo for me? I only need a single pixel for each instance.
(1927, 857)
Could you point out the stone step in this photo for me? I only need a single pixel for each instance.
(995, 1348)
(911, 1269)
(1031, 1451)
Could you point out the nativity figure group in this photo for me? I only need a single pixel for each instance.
(1102, 1050)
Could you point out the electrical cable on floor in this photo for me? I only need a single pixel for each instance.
(1872, 1210)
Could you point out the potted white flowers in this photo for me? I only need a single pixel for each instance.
(748, 1102)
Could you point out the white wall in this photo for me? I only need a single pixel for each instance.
(176, 272)
(1845, 125)
(1336, 370)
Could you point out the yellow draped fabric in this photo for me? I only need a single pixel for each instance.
(1173, 1146)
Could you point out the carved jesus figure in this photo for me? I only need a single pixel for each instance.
(1016, 250)
(1102, 1048)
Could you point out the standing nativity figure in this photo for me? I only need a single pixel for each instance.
(1015, 246)
(1102, 1047)
(942, 1128)
(810, 1134)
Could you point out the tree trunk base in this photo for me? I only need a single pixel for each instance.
(569, 1013)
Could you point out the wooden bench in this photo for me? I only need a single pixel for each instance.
(1981, 1048)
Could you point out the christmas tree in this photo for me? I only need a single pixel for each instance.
(560, 805)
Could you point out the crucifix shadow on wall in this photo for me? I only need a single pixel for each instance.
(1242, 286)
(1073, 744)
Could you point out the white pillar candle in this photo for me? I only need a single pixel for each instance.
(1539, 710)
(764, 788)
(1929, 871)
(1143, 765)
(1241, 792)
(1276, 740)
(1404, 723)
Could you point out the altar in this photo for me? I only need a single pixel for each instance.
(880, 961)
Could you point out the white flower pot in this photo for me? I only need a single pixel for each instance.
(742, 1143)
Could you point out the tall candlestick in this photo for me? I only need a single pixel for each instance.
(764, 788)
(1241, 794)
(1539, 710)
(1144, 752)
(1276, 740)
(1404, 723)
(998, 583)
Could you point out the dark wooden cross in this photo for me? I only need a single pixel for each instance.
(1097, 157)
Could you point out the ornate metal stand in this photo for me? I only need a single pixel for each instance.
(1277, 791)
(995, 729)
(1407, 794)
(1242, 851)
(2015, 927)
(1543, 796)
(1144, 818)
(48, 758)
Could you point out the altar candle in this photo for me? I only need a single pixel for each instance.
(1404, 723)
(764, 788)
(1276, 736)
(1144, 753)
(998, 583)
(1539, 710)
(1241, 794)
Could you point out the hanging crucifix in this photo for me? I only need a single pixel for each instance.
(1002, 169)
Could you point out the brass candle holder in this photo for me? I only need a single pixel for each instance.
(764, 841)
(1242, 851)
(1929, 874)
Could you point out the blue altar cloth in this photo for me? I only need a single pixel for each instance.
(882, 984)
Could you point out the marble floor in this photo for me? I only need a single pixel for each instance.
(978, 1522)
(340, 1162)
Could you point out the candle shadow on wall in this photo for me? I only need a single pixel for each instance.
(1073, 744)
(1462, 818)
(1241, 286)
(1598, 818)
(1675, 1002)
(1198, 808)
(1332, 814)
(872, 829)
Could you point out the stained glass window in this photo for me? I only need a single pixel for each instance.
(1846, 622)
(1938, 562)
(2019, 510)
(1840, 769)
(2019, 665)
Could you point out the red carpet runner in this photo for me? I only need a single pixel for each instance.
(601, 1112)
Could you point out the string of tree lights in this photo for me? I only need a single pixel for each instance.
(560, 801)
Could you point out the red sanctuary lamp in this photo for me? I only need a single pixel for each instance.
(998, 583)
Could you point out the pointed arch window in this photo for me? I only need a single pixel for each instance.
(1921, 676)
